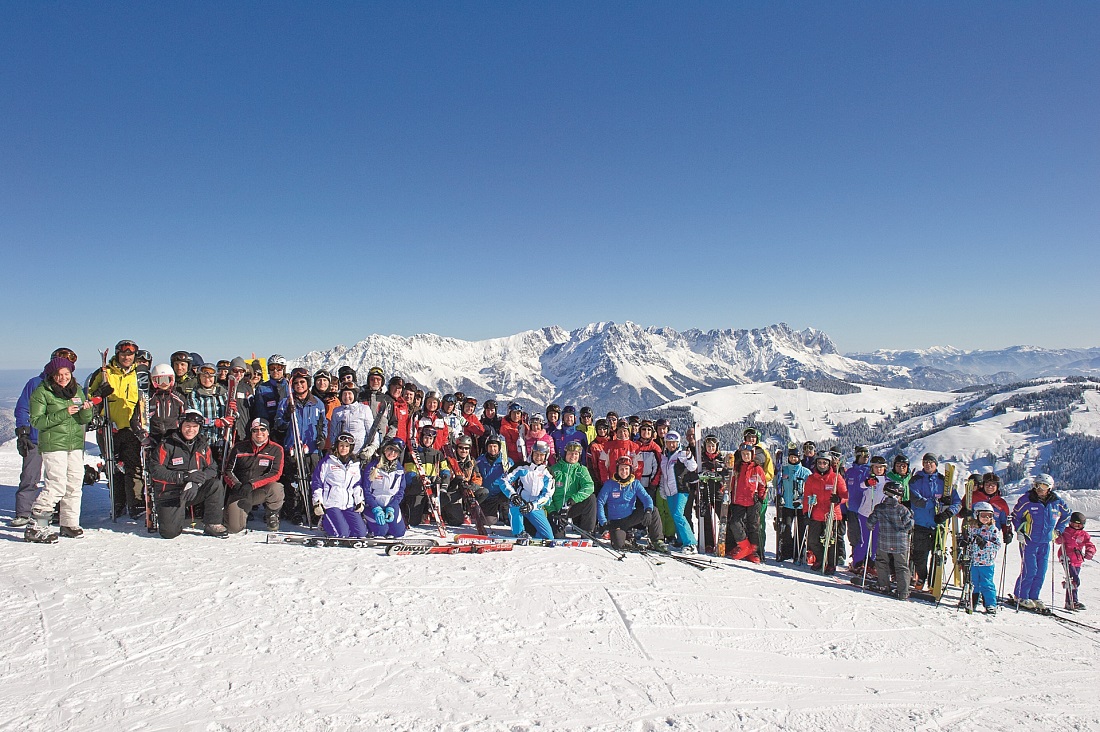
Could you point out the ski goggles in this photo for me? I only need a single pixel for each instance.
(181, 356)
(345, 438)
(144, 356)
(192, 416)
(162, 381)
(66, 353)
(126, 347)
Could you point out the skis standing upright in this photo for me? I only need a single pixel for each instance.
(939, 542)
(429, 494)
(108, 444)
(147, 489)
(724, 507)
(230, 430)
(299, 458)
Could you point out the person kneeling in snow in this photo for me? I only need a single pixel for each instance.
(617, 507)
(184, 474)
(529, 488)
(384, 489)
(338, 491)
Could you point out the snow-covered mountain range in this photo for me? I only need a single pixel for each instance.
(1017, 362)
(622, 365)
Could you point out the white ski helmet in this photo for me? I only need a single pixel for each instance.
(982, 507)
(1044, 479)
(163, 371)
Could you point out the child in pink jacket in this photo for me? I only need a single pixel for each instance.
(1076, 546)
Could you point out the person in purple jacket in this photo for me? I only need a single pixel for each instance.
(856, 477)
(26, 443)
(384, 489)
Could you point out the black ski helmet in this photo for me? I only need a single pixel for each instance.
(1077, 518)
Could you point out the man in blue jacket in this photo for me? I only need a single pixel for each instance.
(1039, 516)
(930, 509)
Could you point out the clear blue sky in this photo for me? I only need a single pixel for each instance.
(228, 177)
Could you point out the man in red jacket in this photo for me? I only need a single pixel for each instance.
(251, 477)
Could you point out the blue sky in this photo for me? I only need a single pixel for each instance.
(230, 177)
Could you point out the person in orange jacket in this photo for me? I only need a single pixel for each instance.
(620, 445)
(825, 492)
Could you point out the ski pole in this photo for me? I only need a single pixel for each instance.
(619, 556)
(867, 558)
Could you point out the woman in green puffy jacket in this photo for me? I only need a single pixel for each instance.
(59, 411)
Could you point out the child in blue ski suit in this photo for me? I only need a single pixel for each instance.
(529, 488)
(1038, 517)
(983, 542)
(789, 489)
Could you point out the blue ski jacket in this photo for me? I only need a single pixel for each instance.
(268, 396)
(1037, 519)
(617, 501)
(925, 490)
(23, 406)
(312, 423)
(792, 485)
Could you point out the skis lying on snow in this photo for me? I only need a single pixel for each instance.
(371, 541)
(407, 550)
(1056, 613)
(492, 539)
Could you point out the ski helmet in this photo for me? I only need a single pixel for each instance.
(299, 373)
(428, 431)
(347, 437)
(861, 450)
(746, 446)
(352, 388)
(601, 424)
(553, 408)
(196, 358)
(208, 367)
(125, 345)
(464, 441)
(540, 447)
(223, 363)
(143, 355)
(569, 409)
(276, 360)
(586, 411)
(515, 407)
(193, 416)
(181, 356)
(892, 488)
(574, 446)
(982, 507)
(374, 371)
(624, 460)
(900, 459)
(1077, 518)
(809, 445)
(878, 460)
(322, 374)
(345, 371)
(1044, 479)
(394, 442)
(394, 380)
(536, 418)
(163, 371)
(991, 478)
(672, 436)
(822, 463)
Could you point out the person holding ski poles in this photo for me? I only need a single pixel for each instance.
(826, 492)
(1076, 547)
(1039, 516)
(308, 414)
(788, 504)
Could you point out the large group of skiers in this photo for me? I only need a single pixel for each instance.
(219, 442)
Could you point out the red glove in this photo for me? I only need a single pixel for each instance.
(231, 407)
(871, 482)
(223, 422)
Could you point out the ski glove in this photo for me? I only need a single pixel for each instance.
(196, 477)
(380, 516)
(516, 500)
(871, 482)
(318, 509)
(105, 390)
(391, 515)
(942, 516)
(231, 407)
(359, 507)
(980, 541)
(835, 500)
(527, 507)
(965, 512)
(23, 444)
(1006, 533)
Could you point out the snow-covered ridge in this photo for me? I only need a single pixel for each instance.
(1021, 362)
(620, 366)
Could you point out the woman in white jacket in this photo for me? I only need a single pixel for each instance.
(338, 491)
(356, 418)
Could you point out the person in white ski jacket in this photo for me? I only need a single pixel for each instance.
(529, 488)
(678, 472)
(356, 418)
(338, 491)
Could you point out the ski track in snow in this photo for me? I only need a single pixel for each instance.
(126, 632)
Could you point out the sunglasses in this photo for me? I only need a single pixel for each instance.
(259, 429)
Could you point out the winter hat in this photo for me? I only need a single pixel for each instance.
(238, 363)
(258, 422)
(56, 364)
(930, 456)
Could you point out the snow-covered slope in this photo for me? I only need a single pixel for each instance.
(615, 366)
(1017, 362)
(980, 430)
(121, 631)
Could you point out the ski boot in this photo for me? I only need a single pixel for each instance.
(39, 534)
(72, 532)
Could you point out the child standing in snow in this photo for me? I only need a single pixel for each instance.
(983, 542)
(1077, 546)
(891, 522)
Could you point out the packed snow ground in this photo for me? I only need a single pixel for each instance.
(121, 631)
